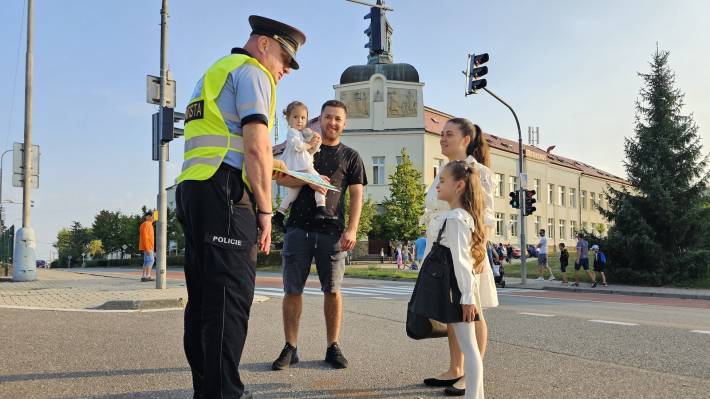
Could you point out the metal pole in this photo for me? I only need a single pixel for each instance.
(24, 259)
(521, 194)
(161, 268)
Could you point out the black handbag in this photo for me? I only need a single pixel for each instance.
(436, 297)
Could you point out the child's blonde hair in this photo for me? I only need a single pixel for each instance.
(472, 202)
(292, 105)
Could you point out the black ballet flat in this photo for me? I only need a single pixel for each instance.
(435, 382)
(452, 391)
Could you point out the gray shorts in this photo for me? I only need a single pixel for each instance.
(301, 247)
(542, 259)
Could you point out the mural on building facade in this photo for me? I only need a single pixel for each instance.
(401, 103)
(357, 101)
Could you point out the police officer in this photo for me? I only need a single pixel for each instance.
(224, 195)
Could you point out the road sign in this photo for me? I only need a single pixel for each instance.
(17, 165)
(153, 91)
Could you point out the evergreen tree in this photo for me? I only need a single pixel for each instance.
(657, 225)
(405, 205)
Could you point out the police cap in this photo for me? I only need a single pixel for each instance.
(290, 38)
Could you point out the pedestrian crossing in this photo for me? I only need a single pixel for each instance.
(380, 292)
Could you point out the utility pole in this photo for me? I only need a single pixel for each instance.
(24, 262)
(162, 239)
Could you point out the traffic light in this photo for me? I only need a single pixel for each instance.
(475, 71)
(375, 30)
(529, 201)
(514, 200)
(164, 129)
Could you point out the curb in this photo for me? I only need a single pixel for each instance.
(146, 304)
(615, 292)
(142, 304)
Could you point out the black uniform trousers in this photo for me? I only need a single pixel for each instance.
(219, 222)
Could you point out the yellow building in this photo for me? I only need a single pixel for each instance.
(386, 115)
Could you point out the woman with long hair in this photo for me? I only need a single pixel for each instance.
(462, 140)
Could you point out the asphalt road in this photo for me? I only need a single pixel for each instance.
(542, 345)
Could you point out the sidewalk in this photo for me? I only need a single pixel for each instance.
(96, 290)
(664, 292)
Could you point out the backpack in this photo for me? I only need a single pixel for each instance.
(602, 258)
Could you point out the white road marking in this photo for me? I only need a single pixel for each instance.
(621, 323)
(379, 297)
(701, 332)
(536, 314)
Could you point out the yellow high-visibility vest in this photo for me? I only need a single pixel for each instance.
(207, 137)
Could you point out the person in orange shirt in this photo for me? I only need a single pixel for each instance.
(146, 244)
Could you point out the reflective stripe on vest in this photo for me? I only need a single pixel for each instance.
(207, 137)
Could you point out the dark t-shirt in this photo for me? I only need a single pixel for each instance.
(344, 167)
(564, 257)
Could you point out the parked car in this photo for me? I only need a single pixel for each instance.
(41, 263)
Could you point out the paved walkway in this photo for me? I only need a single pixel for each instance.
(663, 292)
(90, 289)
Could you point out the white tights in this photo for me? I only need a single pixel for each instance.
(473, 364)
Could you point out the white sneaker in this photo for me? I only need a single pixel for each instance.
(552, 278)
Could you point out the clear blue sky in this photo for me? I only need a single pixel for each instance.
(566, 66)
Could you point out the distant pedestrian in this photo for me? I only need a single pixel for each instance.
(419, 247)
(582, 259)
(542, 258)
(382, 255)
(508, 253)
(564, 261)
(146, 244)
(398, 257)
(599, 265)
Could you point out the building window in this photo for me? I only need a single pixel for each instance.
(438, 163)
(572, 197)
(536, 187)
(572, 229)
(583, 199)
(601, 200)
(593, 199)
(563, 229)
(585, 226)
(512, 183)
(551, 228)
(378, 170)
(537, 224)
(513, 225)
(561, 196)
(399, 160)
(550, 194)
(498, 185)
(500, 228)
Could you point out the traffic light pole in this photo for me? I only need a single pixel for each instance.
(161, 267)
(521, 193)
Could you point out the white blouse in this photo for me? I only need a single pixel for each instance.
(457, 237)
(433, 206)
(296, 155)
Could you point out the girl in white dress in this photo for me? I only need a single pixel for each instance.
(301, 144)
(462, 140)
(464, 234)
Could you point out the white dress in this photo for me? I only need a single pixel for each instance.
(296, 156)
(434, 207)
